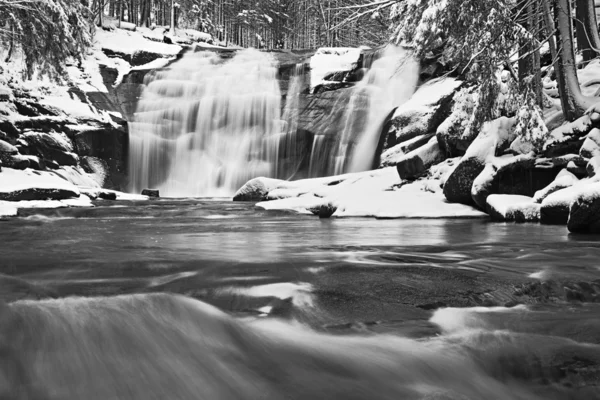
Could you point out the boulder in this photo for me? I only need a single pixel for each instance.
(507, 207)
(50, 146)
(563, 180)
(418, 161)
(18, 185)
(568, 138)
(256, 189)
(494, 137)
(426, 109)
(556, 206)
(593, 166)
(152, 193)
(16, 161)
(591, 144)
(584, 213)
(391, 157)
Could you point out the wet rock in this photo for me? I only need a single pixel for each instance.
(147, 192)
(256, 189)
(506, 207)
(105, 195)
(584, 213)
(494, 137)
(325, 210)
(418, 161)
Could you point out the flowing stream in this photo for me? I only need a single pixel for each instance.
(210, 299)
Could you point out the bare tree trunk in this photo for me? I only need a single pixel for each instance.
(172, 17)
(588, 39)
(574, 104)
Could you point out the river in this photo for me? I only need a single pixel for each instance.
(209, 299)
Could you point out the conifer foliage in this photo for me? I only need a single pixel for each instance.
(44, 32)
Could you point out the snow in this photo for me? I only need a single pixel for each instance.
(368, 194)
(430, 93)
(563, 180)
(12, 180)
(510, 207)
(76, 176)
(156, 64)
(7, 209)
(81, 201)
(130, 42)
(332, 59)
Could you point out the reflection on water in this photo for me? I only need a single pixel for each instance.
(339, 308)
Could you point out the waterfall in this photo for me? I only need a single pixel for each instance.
(390, 82)
(204, 127)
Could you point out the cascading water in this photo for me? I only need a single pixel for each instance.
(204, 127)
(390, 82)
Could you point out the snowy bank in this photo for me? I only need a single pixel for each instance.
(379, 193)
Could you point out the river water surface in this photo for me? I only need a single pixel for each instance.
(209, 299)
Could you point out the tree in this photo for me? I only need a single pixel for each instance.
(45, 32)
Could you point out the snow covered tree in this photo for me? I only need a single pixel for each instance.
(45, 33)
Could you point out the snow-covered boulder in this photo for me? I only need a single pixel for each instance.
(568, 138)
(256, 189)
(508, 207)
(17, 185)
(418, 161)
(392, 156)
(593, 166)
(555, 208)
(493, 138)
(424, 111)
(563, 180)
(591, 144)
(584, 212)
(328, 60)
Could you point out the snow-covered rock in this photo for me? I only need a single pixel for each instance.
(591, 144)
(256, 189)
(377, 193)
(16, 185)
(508, 207)
(563, 180)
(425, 110)
(584, 212)
(332, 59)
(555, 208)
(418, 161)
(494, 136)
(568, 138)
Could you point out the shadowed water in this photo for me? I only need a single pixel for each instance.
(189, 299)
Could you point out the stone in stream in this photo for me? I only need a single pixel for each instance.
(256, 189)
(584, 213)
(152, 193)
(508, 207)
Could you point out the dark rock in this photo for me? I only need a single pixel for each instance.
(593, 166)
(417, 162)
(152, 193)
(326, 210)
(16, 161)
(393, 155)
(457, 188)
(38, 194)
(516, 175)
(113, 196)
(5, 94)
(9, 129)
(7, 148)
(584, 213)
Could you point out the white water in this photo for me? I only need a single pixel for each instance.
(203, 127)
(390, 82)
